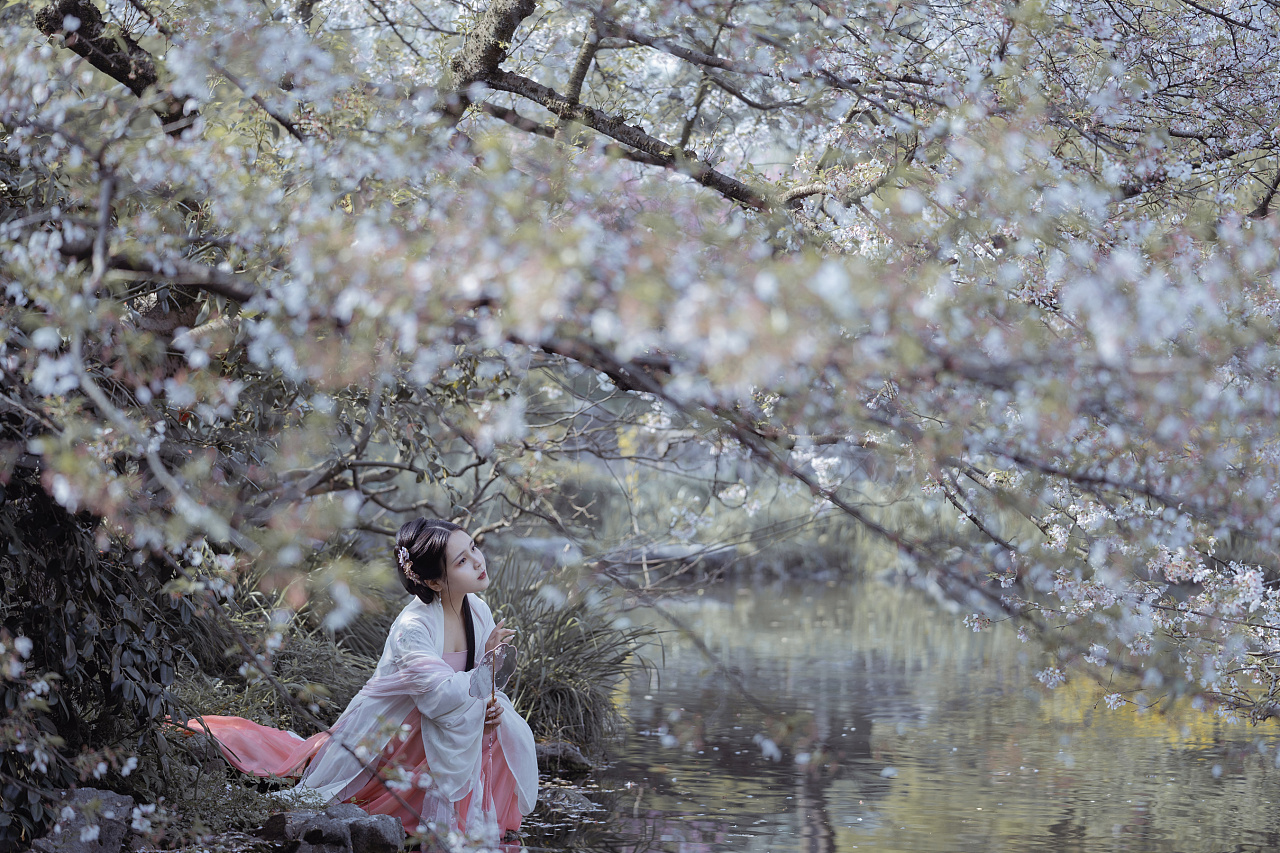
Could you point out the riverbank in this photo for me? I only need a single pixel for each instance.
(573, 653)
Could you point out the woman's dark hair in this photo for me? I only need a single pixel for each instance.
(419, 557)
(424, 541)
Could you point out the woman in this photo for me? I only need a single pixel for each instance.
(413, 742)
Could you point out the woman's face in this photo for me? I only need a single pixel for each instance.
(465, 569)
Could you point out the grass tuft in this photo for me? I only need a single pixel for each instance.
(572, 657)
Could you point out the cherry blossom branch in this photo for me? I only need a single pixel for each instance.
(742, 431)
(795, 195)
(726, 86)
(954, 499)
(486, 48)
(614, 29)
(625, 376)
(80, 26)
(98, 253)
(661, 152)
(231, 286)
(528, 125)
(697, 57)
(1220, 16)
(1084, 479)
(487, 43)
(731, 673)
(224, 71)
(197, 513)
(586, 56)
(391, 25)
(518, 121)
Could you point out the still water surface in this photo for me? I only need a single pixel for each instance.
(873, 721)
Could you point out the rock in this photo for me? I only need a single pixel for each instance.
(109, 812)
(341, 828)
(561, 799)
(377, 834)
(562, 757)
(204, 752)
(345, 811)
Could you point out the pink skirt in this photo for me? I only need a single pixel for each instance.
(264, 751)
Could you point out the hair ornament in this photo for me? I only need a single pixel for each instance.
(402, 557)
(406, 564)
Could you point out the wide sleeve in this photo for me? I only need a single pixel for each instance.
(513, 732)
(418, 667)
(452, 719)
(412, 676)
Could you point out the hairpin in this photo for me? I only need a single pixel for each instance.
(406, 564)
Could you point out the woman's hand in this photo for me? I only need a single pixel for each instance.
(498, 635)
(492, 715)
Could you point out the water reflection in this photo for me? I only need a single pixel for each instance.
(874, 722)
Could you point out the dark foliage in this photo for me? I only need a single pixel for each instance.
(99, 624)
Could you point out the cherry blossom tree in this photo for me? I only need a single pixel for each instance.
(993, 283)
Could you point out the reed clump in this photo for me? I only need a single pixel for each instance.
(572, 658)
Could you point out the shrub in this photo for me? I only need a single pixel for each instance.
(103, 634)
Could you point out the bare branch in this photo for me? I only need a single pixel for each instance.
(1221, 17)
(237, 288)
(661, 152)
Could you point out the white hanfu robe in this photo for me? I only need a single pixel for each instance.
(413, 675)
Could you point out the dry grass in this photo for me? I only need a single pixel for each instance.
(319, 672)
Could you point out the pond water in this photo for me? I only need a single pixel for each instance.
(862, 717)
